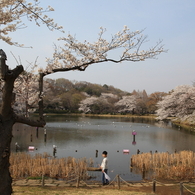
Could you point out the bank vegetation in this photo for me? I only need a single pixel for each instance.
(23, 165)
(176, 166)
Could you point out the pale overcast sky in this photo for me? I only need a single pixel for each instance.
(170, 20)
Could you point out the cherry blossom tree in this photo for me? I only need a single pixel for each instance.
(153, 99)
(179, 104)
(73, 55)
(97, 105)
(26, 92)
(14, 11)
(126, 104)
(87, 103)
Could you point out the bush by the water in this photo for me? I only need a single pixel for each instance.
(23, 165)
(177, 166)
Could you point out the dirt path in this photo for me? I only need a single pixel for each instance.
(66, 191)
(161, 190)
(56, 187)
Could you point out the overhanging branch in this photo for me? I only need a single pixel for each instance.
(27, 121)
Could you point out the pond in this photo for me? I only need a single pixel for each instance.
(81, 136)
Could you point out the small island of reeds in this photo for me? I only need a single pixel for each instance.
(176, 166)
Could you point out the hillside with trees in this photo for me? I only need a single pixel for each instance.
(64, 96)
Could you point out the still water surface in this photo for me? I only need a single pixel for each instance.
(80, 137)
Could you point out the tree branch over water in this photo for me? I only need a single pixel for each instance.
(75, 55)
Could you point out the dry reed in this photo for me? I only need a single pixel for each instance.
(24, 165)
(179, 165)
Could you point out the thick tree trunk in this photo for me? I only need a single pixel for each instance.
(6, 123)
(5, 141)
(7, 120)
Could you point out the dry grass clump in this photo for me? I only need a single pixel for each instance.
(24, 165)
(167, 166)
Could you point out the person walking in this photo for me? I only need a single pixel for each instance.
(104, 167)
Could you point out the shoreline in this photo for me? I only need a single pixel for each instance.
(179, 124)
(102, 115)
(184, 125)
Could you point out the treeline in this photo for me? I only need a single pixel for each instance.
(64, 96)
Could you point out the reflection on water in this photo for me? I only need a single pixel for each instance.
(83, 136)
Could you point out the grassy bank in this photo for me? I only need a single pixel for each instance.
(184, 125)
(120, 115)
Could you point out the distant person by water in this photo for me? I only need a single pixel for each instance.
(17, 146)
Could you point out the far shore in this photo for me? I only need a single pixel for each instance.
(104, 115)
(150, 116)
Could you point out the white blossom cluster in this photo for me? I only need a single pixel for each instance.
(27, 93)
(180, 104)
(126, 104)
(109, 95)
(75, 55)
(86, 103)
(12, 13)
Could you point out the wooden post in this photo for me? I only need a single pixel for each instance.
(131, 166)
(154, 186)
(118, 181)
(131, 162)
(143, 171)
(37, 132)
(181, 188)
(43, 180)
(78, 181)
(54, 151)
(45, 135)
(96, 153)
